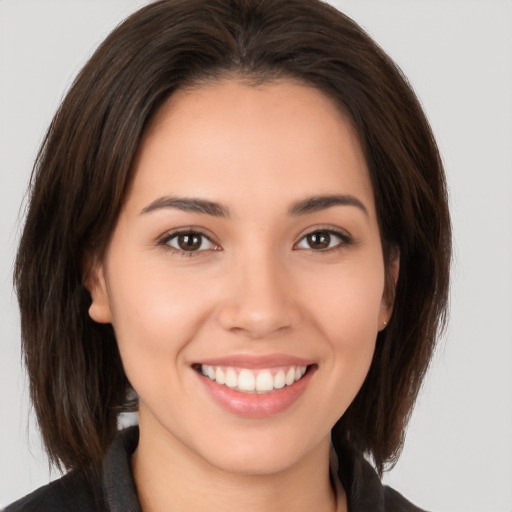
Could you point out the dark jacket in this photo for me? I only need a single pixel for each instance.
(117, 493)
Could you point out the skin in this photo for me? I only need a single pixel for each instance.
(257, 287)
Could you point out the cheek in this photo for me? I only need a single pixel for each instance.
(154, 314)
(347, 307)
(347, 301)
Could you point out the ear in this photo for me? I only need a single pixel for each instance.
(94, 280)
(391, 277)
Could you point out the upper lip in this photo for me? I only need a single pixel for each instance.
(256, 361)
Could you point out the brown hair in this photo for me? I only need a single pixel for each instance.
(77, 382)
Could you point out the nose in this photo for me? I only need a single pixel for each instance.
(261, 300)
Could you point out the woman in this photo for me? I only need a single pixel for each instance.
(238, 225)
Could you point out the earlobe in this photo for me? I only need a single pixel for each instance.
(94, 281)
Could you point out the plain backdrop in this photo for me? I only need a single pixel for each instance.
(458, 56)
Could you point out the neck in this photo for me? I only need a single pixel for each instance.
(169, 477)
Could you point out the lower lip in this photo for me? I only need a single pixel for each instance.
(254, 405)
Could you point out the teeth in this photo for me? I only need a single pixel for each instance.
(231, 378)
(280, 380)
(219, 376)
(246, 381)
(264, 381)
(249, 381)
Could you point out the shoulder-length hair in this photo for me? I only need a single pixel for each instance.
(77, 383)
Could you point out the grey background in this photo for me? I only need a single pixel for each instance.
(458, 56)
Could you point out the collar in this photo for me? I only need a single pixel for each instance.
(118, 484)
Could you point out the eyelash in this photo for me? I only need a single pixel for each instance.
(164, 241)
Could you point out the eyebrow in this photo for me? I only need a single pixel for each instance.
(305, 206)
(188, 205)
(318, 203)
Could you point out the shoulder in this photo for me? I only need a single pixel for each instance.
(74, 492)
(395, 502)
(363, 487)
(70, 493)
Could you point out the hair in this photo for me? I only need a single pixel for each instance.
(77, 383)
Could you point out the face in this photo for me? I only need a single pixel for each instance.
(245, 276)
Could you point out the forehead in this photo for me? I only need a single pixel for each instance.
(276, 139)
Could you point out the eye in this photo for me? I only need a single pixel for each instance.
(322, 240)
(189, 241)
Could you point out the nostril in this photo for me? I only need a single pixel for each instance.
(257, 321)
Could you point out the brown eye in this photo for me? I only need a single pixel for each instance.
(322, 240)
(319, 240)
(190, 242)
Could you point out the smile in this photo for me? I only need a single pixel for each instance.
(255, 386)
(254, 381)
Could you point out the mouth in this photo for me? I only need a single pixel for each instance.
(255, 387)
(254, 381)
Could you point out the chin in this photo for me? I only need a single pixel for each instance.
(254, 462)
(261, 454)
